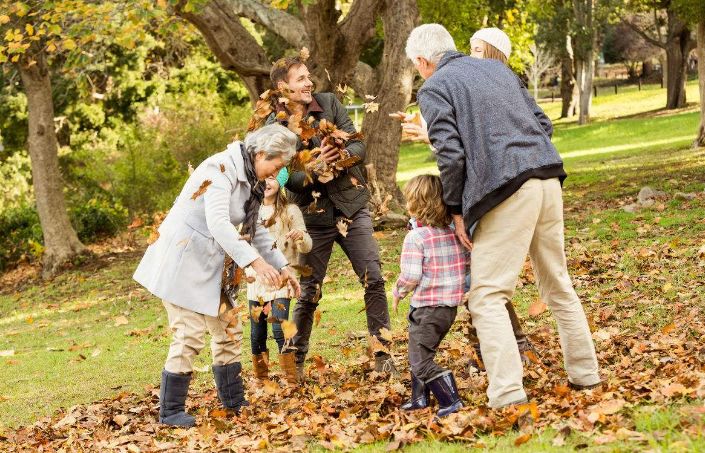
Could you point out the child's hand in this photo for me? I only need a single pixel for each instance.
(395, 303)
(295, 235)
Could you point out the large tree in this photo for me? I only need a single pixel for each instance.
(40, 37)
(653, 16)
(335, 41)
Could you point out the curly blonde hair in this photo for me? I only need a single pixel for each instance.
(424, 200)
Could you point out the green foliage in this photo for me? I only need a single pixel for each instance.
(97, 218)
(465, 17)
(15, 174)
(21, 236)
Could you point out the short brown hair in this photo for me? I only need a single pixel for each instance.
(424, 200)
(280, 69)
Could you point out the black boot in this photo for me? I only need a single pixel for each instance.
(172, 400)
(420, 395)
(231, 390)
(446, 392)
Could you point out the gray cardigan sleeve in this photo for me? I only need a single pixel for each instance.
(445, 138)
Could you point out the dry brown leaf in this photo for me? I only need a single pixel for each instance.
(121, 321)
(316, 318)
(537, 308)
(120, 419)
(386, 334)
(342, 227)
(202, 189)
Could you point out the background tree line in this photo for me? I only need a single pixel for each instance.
(105, 104)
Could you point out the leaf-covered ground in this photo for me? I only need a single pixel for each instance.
(94, 335)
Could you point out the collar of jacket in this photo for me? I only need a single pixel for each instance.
(236, 156)
(311, 107)
(449, 56)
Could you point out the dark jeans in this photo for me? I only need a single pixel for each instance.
(258, 329)
(427, 328)
(362, 251)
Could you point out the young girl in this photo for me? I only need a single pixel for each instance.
(433, 268)
(286, 226)
(490, 43)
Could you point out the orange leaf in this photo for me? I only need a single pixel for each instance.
(537, 308)
(668, 329)
(202, 189)
(522, 439)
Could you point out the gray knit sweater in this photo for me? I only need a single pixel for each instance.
(488, 132)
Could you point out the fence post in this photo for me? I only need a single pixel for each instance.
(661, 81)
(615, 87)
(594, 89)
(553, 95)
(639, 83)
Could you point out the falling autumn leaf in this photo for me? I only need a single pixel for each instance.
(386, 334)
(289, 329)
(202, 189)
(342, 226)
(304, 54)
(316, 318)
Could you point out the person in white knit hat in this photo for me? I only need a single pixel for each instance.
(491, 43)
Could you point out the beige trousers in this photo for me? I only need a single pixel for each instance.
(189, 331)
(530, 221)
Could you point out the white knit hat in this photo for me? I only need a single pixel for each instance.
(495, 37)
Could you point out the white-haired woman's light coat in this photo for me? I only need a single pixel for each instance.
(184, 265)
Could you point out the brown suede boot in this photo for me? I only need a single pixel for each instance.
(260, 364)
(287, 362)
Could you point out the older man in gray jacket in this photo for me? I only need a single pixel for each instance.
(500, 170)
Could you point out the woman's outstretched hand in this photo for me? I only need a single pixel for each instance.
(267, 273)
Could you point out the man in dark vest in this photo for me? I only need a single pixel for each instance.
(342, 199)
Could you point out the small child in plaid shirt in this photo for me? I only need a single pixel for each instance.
(433, 268)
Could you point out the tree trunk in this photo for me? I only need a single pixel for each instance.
(585, 71)
(61, 243)
(700, 141)
(677, 48)
(569, 93)
(395, 76)
(585, 45)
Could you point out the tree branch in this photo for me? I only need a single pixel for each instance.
(231, 43)
(289, 27)
(643, 34)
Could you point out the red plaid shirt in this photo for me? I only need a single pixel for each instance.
(433, 266)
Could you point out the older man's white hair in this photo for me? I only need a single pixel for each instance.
(273, 140)
(429, 41)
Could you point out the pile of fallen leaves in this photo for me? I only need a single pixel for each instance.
(345, 405)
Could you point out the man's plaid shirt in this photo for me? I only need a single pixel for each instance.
(433, 266)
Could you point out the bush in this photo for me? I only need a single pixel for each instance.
(22, 241)
(21, 236)
(97, 219)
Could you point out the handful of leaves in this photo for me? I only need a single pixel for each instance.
(311, 162)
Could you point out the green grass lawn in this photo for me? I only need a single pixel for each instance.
(92, 333)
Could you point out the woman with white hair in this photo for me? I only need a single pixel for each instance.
(184, 266)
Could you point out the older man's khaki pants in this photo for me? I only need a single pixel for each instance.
(189, 331)
(530, 221)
